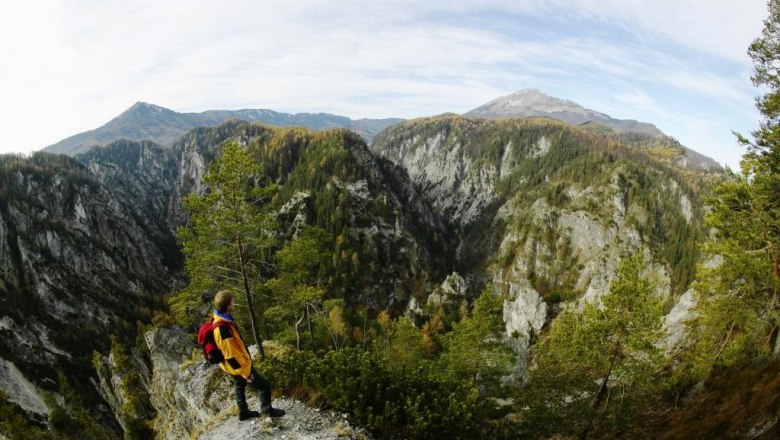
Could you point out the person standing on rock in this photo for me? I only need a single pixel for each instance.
(237, 361)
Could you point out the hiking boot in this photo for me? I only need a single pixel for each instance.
(274, 412)
(246, 414)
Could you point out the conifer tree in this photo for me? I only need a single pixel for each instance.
(299, 288)
(229, 232)
(738, 316)
(475, 347)
(600, 361)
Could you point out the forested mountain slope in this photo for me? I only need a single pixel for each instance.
(88, 245)
(80, 261)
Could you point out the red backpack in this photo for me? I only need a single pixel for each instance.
(206, 341)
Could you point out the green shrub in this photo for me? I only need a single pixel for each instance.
(421, 403)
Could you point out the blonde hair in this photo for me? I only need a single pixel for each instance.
(222, 300)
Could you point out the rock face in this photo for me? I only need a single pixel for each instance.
(458, 186)
(543, 229)
(196, 401)
(452, 290)
(674, 324)
(177, 393)
(21, 391)
(524, 314)
(143, 174)
(81, 261)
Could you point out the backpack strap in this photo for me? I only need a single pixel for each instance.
(224, 329)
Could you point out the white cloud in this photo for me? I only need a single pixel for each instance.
(71, 66)
(721, 28)
(638, 99)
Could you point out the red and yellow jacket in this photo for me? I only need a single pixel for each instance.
(237, 361)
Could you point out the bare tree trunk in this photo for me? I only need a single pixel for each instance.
(308, 323)
(297, 332)
(602, 392)
(775, 262)
(335, 338)
(365, 329)
(249, 300)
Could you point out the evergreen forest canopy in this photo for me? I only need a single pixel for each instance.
(325, 245)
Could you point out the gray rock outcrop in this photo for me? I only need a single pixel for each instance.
(81, 259)
(196, 401)
(21, 391)
(674, 323)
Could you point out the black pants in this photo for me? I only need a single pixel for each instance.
(259, 384)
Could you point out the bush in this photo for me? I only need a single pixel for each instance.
(423, 403)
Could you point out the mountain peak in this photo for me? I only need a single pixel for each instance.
(530, 94)
(141, 106)
(532, 102)
(528, 102)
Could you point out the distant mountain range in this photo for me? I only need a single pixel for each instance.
(145, 121)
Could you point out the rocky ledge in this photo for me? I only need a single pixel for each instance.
(194, 400)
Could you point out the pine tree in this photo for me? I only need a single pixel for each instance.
(298, 289)
(600, 361)
(739, 308)
(475, 348)
(229, 232)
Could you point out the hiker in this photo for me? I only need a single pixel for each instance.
(237, 361)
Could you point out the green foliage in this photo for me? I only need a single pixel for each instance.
(74, 420)
(400, 347)
(136, 411)
(597, 366)
(228, 235)
(394, 403)
(397, 386)
(14, 424)
(737, 316)
(475, 349)
(298, 289)
(336, 325)
(739, 307)
(43, 166)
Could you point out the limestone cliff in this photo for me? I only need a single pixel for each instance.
(79, 262)
(546, 211)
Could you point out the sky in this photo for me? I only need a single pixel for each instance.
(71, 66)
